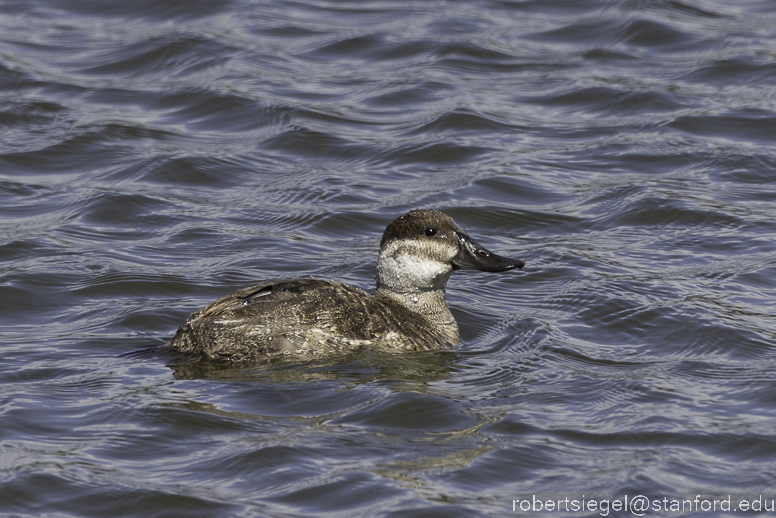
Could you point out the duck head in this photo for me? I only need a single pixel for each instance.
(421, 249)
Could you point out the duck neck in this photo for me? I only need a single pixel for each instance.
(429, 303)
(432, 306)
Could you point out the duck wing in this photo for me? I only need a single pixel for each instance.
(276, 317)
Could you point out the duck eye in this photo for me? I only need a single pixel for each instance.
(431, 232)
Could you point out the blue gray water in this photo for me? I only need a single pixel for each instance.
(157, 154)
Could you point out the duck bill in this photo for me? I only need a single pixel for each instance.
(472, 256)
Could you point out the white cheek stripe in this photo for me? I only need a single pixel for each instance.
(413, 267)
(410, 264)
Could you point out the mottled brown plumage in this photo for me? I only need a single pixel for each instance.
(408, 311)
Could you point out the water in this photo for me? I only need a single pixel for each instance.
(156, 155)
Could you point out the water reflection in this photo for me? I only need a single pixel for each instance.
(355, 367)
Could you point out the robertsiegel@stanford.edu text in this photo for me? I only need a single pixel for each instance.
(640, 505)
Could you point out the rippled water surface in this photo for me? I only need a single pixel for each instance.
(157, 154)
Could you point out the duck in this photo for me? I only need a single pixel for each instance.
(408, 311)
